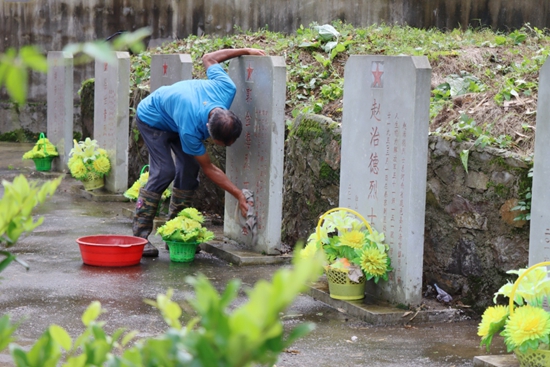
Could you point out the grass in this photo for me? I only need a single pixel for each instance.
(484, 83)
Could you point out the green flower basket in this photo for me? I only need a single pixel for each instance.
(93, 184)
(43, 164)
(341, 287)
(534, 358)
(339, 284)
(183, 252)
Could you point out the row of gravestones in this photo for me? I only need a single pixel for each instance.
(384, 146)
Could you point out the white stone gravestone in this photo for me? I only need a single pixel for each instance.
(60, 106)
(539, 238)
(167, 69)
(384, 160)
(111, 117)
(255, 160)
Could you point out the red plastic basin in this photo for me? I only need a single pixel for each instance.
(111, 250)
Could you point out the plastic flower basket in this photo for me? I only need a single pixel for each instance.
(341, 287)
(531, 358)
(45, 163)
(93, 184)
(339, 284)
(182, 251)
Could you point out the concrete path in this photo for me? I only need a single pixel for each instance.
(58, 287)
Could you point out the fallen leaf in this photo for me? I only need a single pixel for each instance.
(292, 351)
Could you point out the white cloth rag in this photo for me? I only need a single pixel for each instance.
(250, 223)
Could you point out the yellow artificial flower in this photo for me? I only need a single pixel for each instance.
(133, 191)
(169, 227)
(190, 224)
(29, 155)
(527, 323)
(492, 316)
(102, 164)
(42, 148)
(374, 262)
(78, 169)
(193, 214)
(143, 178)
(353, 239)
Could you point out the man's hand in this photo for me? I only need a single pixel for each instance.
(255, 52)
(243, 205)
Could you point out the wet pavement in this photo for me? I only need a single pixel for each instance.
(58, 287)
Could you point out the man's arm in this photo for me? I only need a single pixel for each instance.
(216, 57)
(219, 178)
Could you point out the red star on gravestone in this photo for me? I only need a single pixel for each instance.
(164, 68)
(105, 67)
(249, 71)
(377, 74)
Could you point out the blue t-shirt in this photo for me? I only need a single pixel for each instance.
(183, 107)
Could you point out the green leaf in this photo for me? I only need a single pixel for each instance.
(6, 331)
(128, 337)
(464, 159)
(9, 258)
(61, 336)
(32, 57)
(92, 313)
(16, 83)
(100, 51)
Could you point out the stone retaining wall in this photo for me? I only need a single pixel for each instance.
(471, 238)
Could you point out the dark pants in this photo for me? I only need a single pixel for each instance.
(162, 170)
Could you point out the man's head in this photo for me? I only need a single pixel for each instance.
(224, 126)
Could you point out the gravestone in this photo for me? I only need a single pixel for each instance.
(255, 160)
(539, 238)
(168, 69)
(60, 106)
(111, 117)
(384, 160)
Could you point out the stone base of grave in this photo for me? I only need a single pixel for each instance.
(376, 312)
(232, 253)
(505, 360)
(97, 195)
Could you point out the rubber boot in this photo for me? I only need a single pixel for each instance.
(146, 209)
(179, 200)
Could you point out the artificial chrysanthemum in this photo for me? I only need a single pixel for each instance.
(42, 148)
(102, 164)
(492, 315)
(133, 192)
(353, 239)
(192, 213)
(169, 228)
(492, 322)
(526, 328)
(184, 229)
(78, 169)
(189, 224)
(374, 263)
(87, 161)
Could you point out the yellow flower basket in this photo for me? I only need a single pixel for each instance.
(531, 358)
(339, 284)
